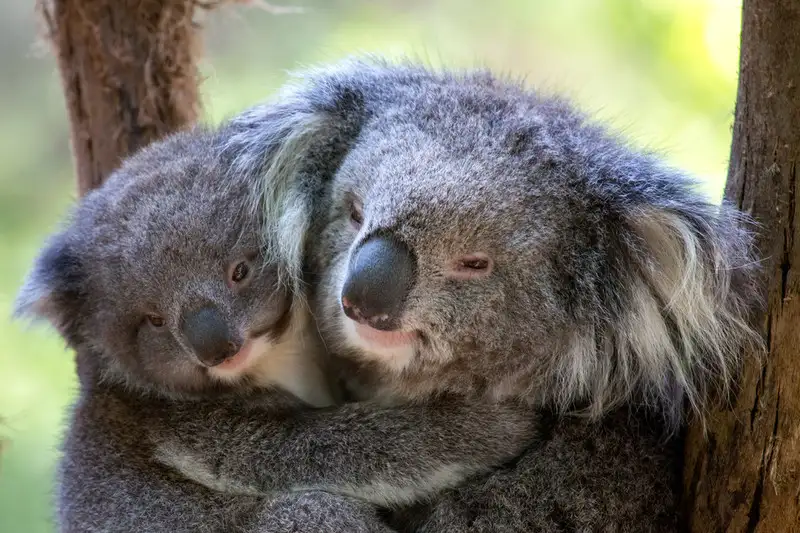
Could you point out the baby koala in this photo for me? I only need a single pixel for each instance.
(186, 338)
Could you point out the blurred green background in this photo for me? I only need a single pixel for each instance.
(662, 72)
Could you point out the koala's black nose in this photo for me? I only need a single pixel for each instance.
(209, 336)
(380, 276)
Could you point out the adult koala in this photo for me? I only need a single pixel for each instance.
(470, 236)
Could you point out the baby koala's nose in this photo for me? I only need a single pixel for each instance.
(380, 276)
(209, 336)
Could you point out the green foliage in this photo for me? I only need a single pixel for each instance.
(663, 73)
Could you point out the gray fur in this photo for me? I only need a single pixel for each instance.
(155, 435)
(618, 291)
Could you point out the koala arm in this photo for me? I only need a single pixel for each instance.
(615, 475)
(318, 512)
(384, 455)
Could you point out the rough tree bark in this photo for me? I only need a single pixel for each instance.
(129, 75)
(744, 475)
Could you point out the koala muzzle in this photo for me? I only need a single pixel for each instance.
(380, 276)
(209, 336)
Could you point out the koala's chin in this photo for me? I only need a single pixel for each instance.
(394, 349)
(246, 362)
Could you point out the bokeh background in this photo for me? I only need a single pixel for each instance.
(662, 72)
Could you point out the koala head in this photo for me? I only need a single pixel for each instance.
(160, 275)
(467, 234)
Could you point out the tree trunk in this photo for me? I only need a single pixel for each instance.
(744, 474)
(129, 75)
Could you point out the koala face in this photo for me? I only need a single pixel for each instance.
(438, 251)
(161, 274)
(473, 235)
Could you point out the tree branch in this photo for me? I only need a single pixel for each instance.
(744, 474)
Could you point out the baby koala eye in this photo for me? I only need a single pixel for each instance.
(239, 272)
(471, 266)
(156, 321)
(356, 213)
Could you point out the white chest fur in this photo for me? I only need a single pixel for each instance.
(295, 363)
(295, 366)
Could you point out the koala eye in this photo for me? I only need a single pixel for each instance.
(240, 272)
(156, 321)
(471, 266)
(356, 213)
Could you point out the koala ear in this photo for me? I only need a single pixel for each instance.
(291, 148)
(690, 292)
(53, 289)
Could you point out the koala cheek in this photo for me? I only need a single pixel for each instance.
(333, 247)
(329, 289)
(452, 311)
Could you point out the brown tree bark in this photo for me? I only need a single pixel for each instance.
(744, 474)
(129, 75)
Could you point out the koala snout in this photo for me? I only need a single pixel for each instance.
(380, 276)
(209, 336)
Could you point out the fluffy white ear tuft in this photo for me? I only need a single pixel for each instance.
(272, 145)
(285, 204)
(688, 320)
(683, 318)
